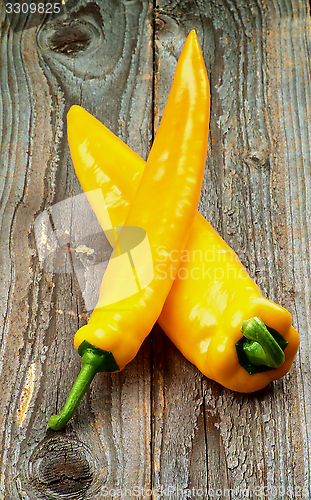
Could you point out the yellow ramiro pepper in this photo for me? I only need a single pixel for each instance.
(164, 206)
(212, 294)
(209, 307)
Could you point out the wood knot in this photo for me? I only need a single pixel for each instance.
(258, 159)
(159, 24)
(62, 468)
(169, 30)
(77, 33)
(72, 37)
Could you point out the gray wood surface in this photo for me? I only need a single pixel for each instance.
(158, 429)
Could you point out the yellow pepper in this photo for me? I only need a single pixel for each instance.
(212, 298)
(210, 305)
(164, 206)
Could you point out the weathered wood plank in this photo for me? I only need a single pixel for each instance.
(159, 424)
(256, 54)
(108, 69)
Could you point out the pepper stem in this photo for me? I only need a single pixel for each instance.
(94, 360)
(262, 348)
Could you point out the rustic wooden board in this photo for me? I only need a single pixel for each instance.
(159, 426)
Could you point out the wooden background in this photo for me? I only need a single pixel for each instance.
(159, 423)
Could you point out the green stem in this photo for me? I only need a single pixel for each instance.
(262, 348)
(94, 360)
(85, 377)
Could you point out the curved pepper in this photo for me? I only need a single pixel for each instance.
(210, 308)
(116, 330)
(212, 295)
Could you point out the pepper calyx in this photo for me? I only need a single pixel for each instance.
(104, 359)
(261, 348)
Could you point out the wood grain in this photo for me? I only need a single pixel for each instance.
(159, 426)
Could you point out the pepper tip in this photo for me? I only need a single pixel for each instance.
(192, 34)
(74, 111)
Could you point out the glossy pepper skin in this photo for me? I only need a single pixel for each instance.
(210, 307)
(164, 206)
(212, 294)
